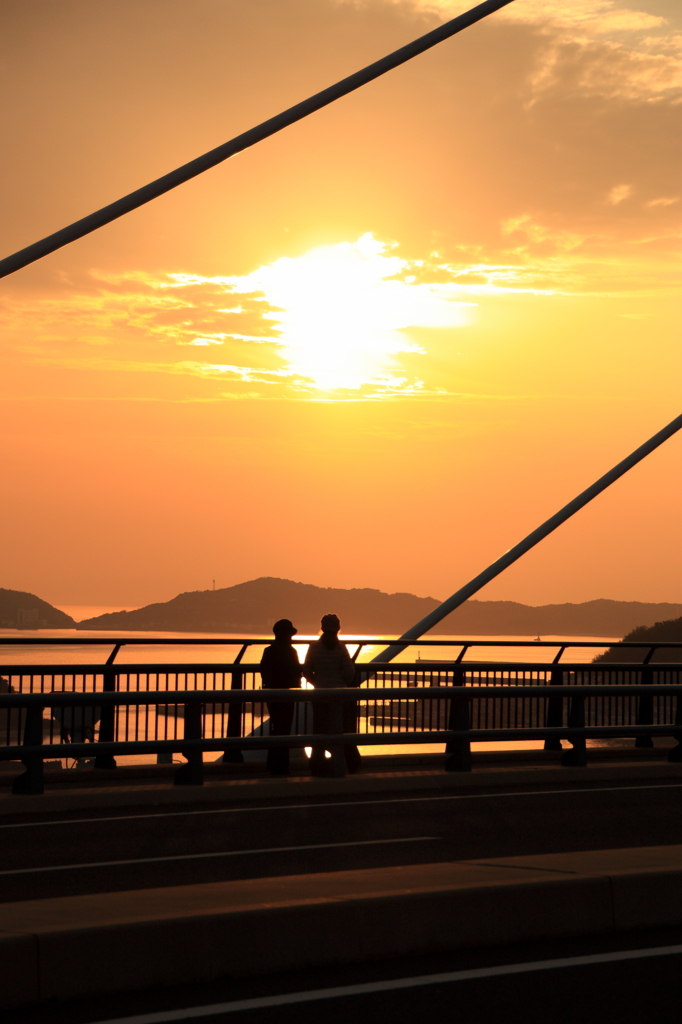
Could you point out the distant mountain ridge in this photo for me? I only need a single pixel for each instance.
(253, 607)
(21, 610)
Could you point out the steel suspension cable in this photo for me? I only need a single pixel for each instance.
(169, 181)
(511, 556)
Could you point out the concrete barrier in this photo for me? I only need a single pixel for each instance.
(114, 942)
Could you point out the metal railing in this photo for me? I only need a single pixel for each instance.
(577, 713)
(72, 711)
(162, 719)
(244, 643)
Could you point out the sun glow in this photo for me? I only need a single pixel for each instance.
(341, 311)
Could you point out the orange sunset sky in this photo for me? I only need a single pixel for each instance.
(374, 350)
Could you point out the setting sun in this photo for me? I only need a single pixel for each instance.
(342, 310)
(429, 314)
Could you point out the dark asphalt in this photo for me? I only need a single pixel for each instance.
(286, 837)
(628, 991)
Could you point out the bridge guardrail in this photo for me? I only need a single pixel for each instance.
(454, 712)
(247, 717)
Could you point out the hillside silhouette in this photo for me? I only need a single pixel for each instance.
(252, 607)
(20, 610)
(668, 631)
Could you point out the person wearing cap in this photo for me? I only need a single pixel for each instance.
(280, 670)
(328, 665)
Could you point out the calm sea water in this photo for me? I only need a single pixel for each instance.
(25, 653)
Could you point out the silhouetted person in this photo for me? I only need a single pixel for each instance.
(327, 665)
(281, 670)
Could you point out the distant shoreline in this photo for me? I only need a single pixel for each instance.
(347, 637)
(250, 609)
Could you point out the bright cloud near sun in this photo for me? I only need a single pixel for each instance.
(341, 310)
(335, 322)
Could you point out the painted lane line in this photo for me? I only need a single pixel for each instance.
(371, 987)
(337, 804)
(522, 867)
(221, 853)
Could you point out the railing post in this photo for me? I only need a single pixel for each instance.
(458, 751)
(577, 756)
(192, 773)
(675, 754)
(235, 714)
(555, 707)
(32, 780)
(107, 721)
(645, 705)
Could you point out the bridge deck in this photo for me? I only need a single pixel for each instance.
(112, 942)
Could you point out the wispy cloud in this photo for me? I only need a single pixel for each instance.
(663, 201)
(340, 322)
(618, 193)
(590, 17)
(593, 47)
(335, 320)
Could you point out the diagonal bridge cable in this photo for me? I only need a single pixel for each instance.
(511, 556)
(143, 195)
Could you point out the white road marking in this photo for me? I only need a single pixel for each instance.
(368, 988)
(221, 853)
(335, 803)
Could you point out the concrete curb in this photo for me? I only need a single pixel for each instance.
(303, 787)
(114, 942)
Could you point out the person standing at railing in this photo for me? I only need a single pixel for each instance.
(328, 665)
(281, 670)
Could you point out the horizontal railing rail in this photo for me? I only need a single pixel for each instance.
(363, 669)
(548, 711)
(90, 699)
(244, 643)
(357, 738)
(258, 641)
